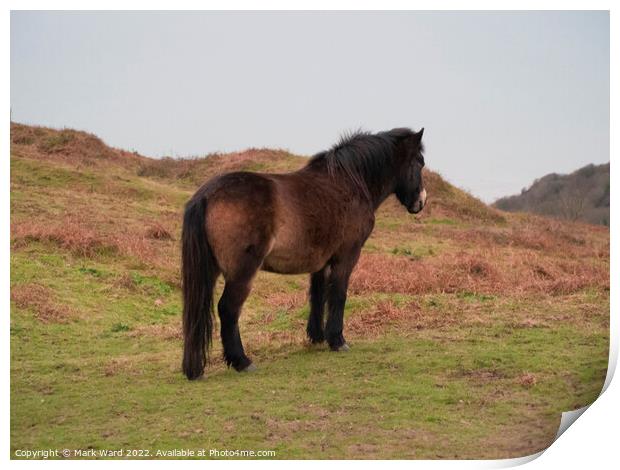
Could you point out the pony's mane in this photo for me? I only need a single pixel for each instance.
(366, 159)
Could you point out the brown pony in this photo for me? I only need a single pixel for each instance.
(314, 220)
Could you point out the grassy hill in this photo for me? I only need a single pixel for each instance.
(471, 329)
(582, 195)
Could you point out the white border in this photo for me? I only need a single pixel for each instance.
(591, 441)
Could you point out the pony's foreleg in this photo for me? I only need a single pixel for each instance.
(336, 298)
(317, 307)
(229, 308)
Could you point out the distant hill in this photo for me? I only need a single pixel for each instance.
(580, 196)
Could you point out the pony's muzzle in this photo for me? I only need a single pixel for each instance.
(419, 204)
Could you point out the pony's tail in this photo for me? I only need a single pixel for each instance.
(200, 272)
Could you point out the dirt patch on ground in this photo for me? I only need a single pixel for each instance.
(527, 435)
(482, 375)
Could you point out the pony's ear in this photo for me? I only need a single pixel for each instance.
(415, 138)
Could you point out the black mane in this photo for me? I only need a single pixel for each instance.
(366, 159)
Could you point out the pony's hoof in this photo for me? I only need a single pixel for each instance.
(250, 368)
(342, 348)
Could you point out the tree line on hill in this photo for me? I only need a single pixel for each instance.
(579, 196)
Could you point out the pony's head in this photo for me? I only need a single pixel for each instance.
(378, 165)
(409, 183)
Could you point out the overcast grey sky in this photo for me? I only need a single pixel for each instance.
(505, 97)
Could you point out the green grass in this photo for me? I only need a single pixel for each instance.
(92, 383)
(417, 252)
(28, 173)
(474, 297)
(435, 221)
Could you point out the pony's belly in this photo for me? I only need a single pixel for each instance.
(286, 261)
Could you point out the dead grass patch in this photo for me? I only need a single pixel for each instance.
(158, 232)
(382, 315)
(562, 239)
(482, 271)
(72, 234)
(119, 365)
(41, 300)
(527, 380)
(165, 332)
(287, 300)
(125, 281)
(68, 234)
(410, 317)
(380, 273)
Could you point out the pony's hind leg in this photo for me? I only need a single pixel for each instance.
(229, 308)
(315, 329)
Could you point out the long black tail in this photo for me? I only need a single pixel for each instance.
(200, 272)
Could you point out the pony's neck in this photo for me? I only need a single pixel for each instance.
(380, 189)
(368, 170)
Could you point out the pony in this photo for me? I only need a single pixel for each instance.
(314, 220)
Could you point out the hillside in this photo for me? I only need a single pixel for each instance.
(471, 329)
(582, 195)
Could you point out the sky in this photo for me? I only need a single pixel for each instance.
(504, 97)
